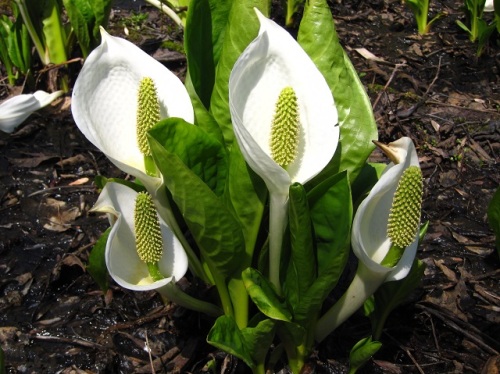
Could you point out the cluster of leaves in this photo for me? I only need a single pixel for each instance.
(476, 23)
(39, 24)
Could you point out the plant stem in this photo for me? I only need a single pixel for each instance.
(175, 294)
(278, 214)
(239, 298)
(363, 285)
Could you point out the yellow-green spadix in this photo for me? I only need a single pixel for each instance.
(274, 62)
(378, 224)
(125, 264)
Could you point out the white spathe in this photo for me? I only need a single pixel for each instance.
(369, 229)
(489, 6)
(272, 61)
(122, 260)
(370, 242)
(104, 101)
(15, 110)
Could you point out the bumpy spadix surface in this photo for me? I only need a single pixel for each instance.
(285, 128)
(122, 259)
(148, 113)
(105, 99)
(148, 239)
(404, 218)
(274, 62)
(369, 238)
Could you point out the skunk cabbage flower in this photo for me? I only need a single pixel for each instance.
(106, 101)
(385, 225)
(284, 119)
(138, 240)
(14, 111)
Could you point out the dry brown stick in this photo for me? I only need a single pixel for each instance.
(72, 341)
(476, 339)
(407, 351)
(393, 74)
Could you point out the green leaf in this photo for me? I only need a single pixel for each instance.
(81, 17)
(263, 295)
(362, 352)
(53, 33)
(242, 28)
(319, 39)
(205, 26)
(246, 194)
(391, 294)
(494, 217)
(292, 7)
(97, 263)
(367, 177)
(215, 230)
(199, 151)
(301, 271)
(331, 214)
(202, 117)
(250, 344)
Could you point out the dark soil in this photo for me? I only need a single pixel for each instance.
(432, 88)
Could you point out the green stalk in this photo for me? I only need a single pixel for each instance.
(54, 34)
(278, 212)
(225, 298)
(240, 301)
(40, 48)
(173, 293)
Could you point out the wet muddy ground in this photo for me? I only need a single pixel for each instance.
(54, 318)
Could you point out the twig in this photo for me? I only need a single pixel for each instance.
(393, 74)
(476, 339)
(50, 189)
(73, 341)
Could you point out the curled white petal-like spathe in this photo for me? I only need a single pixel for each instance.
(104, 100)
(271, 62)
(15, 110)
(369, 231)
(489, 6)
(122, 260)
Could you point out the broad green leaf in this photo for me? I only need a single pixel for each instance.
(242, 28)
(215, 230)
(246, 194)
(81, 17)
(97, 264)
(264, 297)
(226, 335)
(101, 10)
(250, 344)
(362, 352)
(205, 26)
(367, 177)
(301, 271)
(199, 151)
(319, 39)
(202, 117)
(331, 214)
(53, 33)
(494, 217)
(391, 294)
